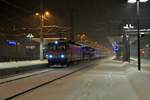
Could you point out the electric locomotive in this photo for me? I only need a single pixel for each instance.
(62, 52)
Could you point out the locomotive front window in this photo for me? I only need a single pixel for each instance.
(60, 46)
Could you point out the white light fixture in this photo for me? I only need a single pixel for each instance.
(131, 1)
(126, 27)
(30, 35)
(130, 26)
(143, 0)
(134, 1)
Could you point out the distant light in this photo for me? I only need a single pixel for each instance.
(46, 55)
(143, 0)
(56, 42)
(127, 36)
(121, 36)
(37, 14)
(30, 35)
(147, 45)
(142, 33)
(131, 1)
(128, 26)
(143, 51)
(47, 13)
(134, 1)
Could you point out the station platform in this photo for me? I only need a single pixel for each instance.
(107, 80)
(16, 64)
(104, 79)
(9, 68)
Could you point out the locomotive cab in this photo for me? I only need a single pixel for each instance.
(56, 53)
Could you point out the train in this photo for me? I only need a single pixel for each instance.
(63, 52)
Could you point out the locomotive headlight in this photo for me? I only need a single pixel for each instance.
(62, 56)
(50, 56)
(56, 42)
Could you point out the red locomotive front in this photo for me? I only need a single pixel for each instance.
(62, 52)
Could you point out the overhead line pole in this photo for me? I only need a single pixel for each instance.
(138, 34)
(41, 30)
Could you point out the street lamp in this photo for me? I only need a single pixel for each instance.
(126, 53)
(42, 16)
(138, 27)
(30, 36)
(135, 1)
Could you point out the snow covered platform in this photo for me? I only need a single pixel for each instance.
(7, 68)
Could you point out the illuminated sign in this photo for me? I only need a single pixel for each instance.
(11, 43)
(116, 47)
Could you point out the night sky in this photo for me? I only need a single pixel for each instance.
(97, 18)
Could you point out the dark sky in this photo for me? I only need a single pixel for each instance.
(97, 18)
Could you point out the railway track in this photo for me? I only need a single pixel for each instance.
(54, 76)
(25, 76)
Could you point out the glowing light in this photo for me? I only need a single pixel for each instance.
(62, 56)
(50, 56)
(143, 0)
(37, 14)
(134, 1)
(131, 1)
(47, 13)
(46, 55)
(56, 42)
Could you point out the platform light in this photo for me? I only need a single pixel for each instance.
(134, 1)
(131, 1)
(143, 0)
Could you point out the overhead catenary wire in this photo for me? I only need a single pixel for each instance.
(15, 6)
(10, 4)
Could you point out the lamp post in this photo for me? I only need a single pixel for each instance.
(126, 53)
(138, 28)
(42, 16)
(30, 36)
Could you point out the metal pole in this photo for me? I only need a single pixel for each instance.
(124, 48)
(16, 51)
(72, 23)
(41, 31)
(41, 38)
(138, 34)
(129, 50)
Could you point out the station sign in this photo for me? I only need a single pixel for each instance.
(30, 47)
(11, 43)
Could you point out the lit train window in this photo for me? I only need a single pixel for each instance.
(60, 46)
